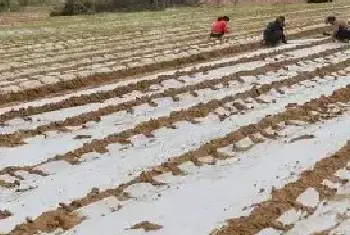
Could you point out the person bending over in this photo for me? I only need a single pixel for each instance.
(273, 34)
(340, 29)
(220, 27)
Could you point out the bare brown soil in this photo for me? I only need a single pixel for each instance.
(147, 226)
(322, 233)
(49, 222)
(4, 214)
(22, 18)
(12, 172)
(4, 184)
(82, 137)
(302, 137)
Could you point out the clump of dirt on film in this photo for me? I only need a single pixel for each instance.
(5, 184)
(11, 140)
(79, 137)
(147, 226)
(302, 137)
(49, 222)
(4, 214)
(96, 195)
(164, 168)
(146, 177)
(65, 216)
(11, 171)
(326, 232)
(96, 80)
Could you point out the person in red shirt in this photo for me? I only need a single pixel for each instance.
(220, 27)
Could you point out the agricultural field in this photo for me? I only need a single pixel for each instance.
(132, 124)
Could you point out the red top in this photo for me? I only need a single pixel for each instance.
(219, 27)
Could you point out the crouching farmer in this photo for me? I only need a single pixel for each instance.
(220, 27)
(273, 34)
(340, 29)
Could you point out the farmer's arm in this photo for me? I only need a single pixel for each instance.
(335, 29)
(331, 33)
(226, 28)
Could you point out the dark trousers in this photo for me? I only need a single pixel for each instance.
(343, 34)
(273, 38)
(217, 35)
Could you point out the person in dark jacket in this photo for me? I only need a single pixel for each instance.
(340, 29)
(273, 34)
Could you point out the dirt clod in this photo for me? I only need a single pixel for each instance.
(4, 214)
(302, 137)
(147, 226)
(78, 137)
